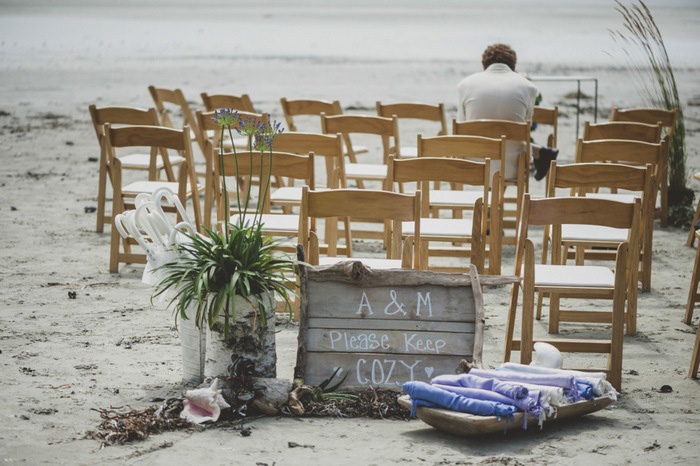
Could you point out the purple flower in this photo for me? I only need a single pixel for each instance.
(225, 117)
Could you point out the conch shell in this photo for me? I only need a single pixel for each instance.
(204, 404)
(546, 355)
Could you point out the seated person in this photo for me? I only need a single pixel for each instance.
(499, 93)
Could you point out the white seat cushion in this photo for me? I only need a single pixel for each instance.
(592, 233)
(572, 275)
(626, 198)
(290, 194)
(447, 196)
(274, 222)
(408, 151)
(365, 170)
(151, 186)
(697, 176)
(371, 262)
(440, 227)
(144, 160)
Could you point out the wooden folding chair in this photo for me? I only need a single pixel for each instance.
(695, 358)
(581, 282)
(391, 208)
(516, 134)
(693, 295)
(456, 199)
(472, 231)
(414, 111)
(549, 117)
(265, 166)
(696, 216)
(599, 242)
(154, 162)
(161, 97)
(124, 196)
(386, 128)
(652, 116)
(310, 107)
(629, 152)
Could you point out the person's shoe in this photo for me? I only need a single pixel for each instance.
(543, 161)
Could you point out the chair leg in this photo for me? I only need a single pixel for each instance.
(692, 293)
(527, 327)
(580, 255)
(101, 193)
(510, 323)
(554, 313)
(540, 300)
(695, 359)
(664, 199)
(618, 321)
(691, 233)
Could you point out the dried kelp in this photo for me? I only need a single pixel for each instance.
(120, 426)
(371, 403)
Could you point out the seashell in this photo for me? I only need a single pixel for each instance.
(204, 404)
(546, 355)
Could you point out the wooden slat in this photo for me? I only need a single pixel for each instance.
(407, 325)
(395, 342)
(377, 369)
(601, 317)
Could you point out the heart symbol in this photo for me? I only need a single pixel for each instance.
(429, 371)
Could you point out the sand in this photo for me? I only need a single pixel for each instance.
(61, 357)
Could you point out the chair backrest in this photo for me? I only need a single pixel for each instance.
(386, 128)
(163, 96)
(650, 116)
(121, 116)
(582, 177)
(264, 166)
(512, 130)
(627, 130)
(155, 137)
(466, 147)
(423, 170)
(292, 108)
(235, 102)
(393, 208)
(415, 111)
(558, 211)
(328, 146)
(550, 117)
(622, 151)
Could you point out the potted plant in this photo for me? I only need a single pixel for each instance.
(233, 276)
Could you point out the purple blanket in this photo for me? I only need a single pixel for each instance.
(423, 394)
(472, 380)
(567, 382)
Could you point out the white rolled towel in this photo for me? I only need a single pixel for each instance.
(597, 379)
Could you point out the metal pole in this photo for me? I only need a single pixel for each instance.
(595, 115)
(578, 106)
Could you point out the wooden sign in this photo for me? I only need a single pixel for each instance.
(386, 327)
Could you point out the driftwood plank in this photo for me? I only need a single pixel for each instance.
(377, 369)
(399, 302)
(394, 342)
(407, 325)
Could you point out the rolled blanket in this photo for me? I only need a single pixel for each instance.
(585, 389)
(473, 381)
(566, 382)
(527, 405)
(597, 379)
(421, 392)
(554, 396)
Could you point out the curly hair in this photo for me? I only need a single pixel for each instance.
(499, 53)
